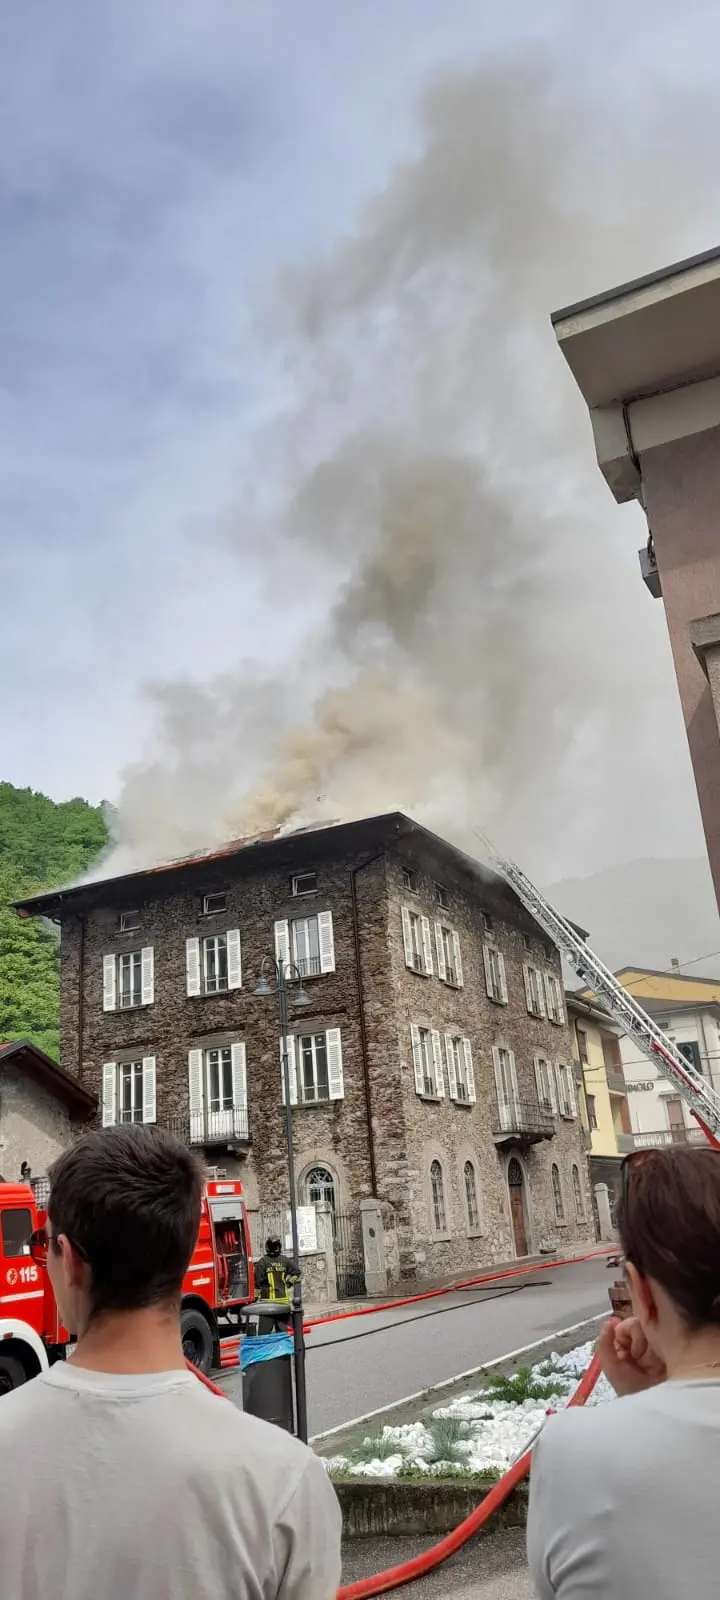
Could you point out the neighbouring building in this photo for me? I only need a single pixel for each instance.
(603, 1097)
(431, 1068)
(688, 1010)
(646, 357)
(41, 1107)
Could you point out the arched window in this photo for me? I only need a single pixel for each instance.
(471, 1196)
(437, 1190)
(557, 1193)
(320, 1187)
(577, 1191)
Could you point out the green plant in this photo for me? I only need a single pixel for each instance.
(375, 1447)
(448, 1437)
(523, 1385)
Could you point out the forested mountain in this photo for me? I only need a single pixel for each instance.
(42, 845)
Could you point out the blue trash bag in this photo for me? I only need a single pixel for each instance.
(265, 1347)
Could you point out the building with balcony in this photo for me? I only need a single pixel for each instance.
(431, 1067)
(658, 1114)
(602, 1090)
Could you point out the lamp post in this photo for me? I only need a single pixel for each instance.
(285, 974)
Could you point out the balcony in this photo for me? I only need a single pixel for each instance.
(522, 1122)
(229, 1128)
(660, 1138)
(616, 1081)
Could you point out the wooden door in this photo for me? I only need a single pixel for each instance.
(517, 1207)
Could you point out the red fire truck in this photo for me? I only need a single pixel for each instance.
(219, 1282)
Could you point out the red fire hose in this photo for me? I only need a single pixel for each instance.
(408, 1571)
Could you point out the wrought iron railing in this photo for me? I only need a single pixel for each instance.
(523, 1118)
(210, 1127)
(665, 1136)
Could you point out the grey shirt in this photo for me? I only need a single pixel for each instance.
(625, 1498)
(152, 1488)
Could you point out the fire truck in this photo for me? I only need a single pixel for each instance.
(218, 1284)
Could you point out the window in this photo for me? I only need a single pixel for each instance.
(471, 1197)
(557, 1193)
(304, 883)
(128, 1091)
(487, 922)
(582, 1044)
(437, 1195)
(553, 994)
(441, 895)
(447, 945)
(217, 1087)
(545, 1086)
(691, 1051)
(577, 1191)
(527, 942)
(17, 1227)
(315, 1067)
(461, 1077)
(592, 1112)
(416, 942)
(534, 991)
(129, 921)
(495, 974)
(128, 979)
(409, 880)
(566, 1090)
(427, 1063)
(213, 903)
(214, 963)
(320, 1187)
(308, 943)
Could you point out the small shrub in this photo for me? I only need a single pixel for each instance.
(520, 1387)
(448, 1438)
(376, 1447)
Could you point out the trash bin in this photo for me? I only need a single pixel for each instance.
(267, 1386)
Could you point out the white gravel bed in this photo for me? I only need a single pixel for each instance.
(477, 1432)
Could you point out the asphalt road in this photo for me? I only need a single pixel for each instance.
(356, 1366)
(489, 1568)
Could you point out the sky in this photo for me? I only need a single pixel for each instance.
(172, 172)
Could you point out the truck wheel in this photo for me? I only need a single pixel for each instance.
(12, 1374)
(197, 1340)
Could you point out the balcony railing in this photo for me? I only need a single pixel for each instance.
(662, 1137)
(308, 966)
(211, 1127)
(522, 1121)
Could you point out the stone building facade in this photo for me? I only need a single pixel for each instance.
(431, 1066)
(41, 1108)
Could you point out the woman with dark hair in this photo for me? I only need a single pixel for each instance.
(625, 1498)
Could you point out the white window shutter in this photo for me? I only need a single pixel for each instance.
(440, 949)
(427, 946)
(503, 979)
(571, 1095)
(542, 1087)
(542, 1008)
(514, 1076)
(292, 1070)
(234, 959)
(109, 983)
(528, 990)
(282, 942)
(148, 1100)
(437, 1064)
(559, 1000)
(239, 1082)
(326, 940)
(458, 960)
(552, 1081)
(417, 1059)
(148, 985)
(469, 1071)
(109, 1094)
(192, 965)
(488, 971)
(407, 937)
(195, 1083)
(333, 1045)
(451, 1067)
(502, 1091)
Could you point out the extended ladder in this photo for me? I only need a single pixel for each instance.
(697, 1093)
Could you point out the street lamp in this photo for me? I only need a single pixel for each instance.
(284, 975)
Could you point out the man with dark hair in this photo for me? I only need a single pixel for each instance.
(124, 1476)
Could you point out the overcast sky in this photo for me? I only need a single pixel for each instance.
(160, 162)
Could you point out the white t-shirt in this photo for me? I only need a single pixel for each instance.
(152, 1488)
(625, 1498)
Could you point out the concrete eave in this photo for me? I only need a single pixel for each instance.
(645, 337)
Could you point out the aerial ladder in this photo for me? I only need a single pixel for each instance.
(700, 1097)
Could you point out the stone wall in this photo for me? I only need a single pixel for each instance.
(34, 1127)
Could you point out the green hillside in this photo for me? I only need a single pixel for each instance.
(42, 845)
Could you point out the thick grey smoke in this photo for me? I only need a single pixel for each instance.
(472, 649)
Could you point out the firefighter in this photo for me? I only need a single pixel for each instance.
(276, 1274)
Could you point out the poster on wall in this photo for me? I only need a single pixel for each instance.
(307, 1231)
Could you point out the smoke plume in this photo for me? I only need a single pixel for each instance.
(472, 650)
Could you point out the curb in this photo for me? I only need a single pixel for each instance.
(394, 1510)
